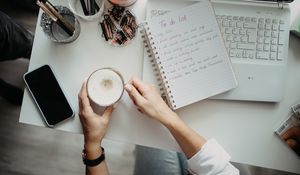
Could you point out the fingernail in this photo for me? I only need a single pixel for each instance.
(128, 87)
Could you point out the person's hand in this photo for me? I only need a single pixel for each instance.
(94, 126)
(292, 138)
(148, 101)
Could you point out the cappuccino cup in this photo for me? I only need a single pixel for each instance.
(105, 87)
(124, 3)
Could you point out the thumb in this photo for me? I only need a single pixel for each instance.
(134, 94)
(107, 113)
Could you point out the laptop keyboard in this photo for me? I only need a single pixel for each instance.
(253, 38)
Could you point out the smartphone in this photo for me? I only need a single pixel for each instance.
(48, 95)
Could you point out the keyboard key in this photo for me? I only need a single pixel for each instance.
(275, 27)
(259, 47)
(250, 25)
(233, 45)
(267, 40)
(261, 20)
(268, 21)
(229, 37)
(252, 34)
(232, 53)
(261, 26)
(232, 24)
(244, 39)
(247, 19)
(273, 56)
(228, 30)
(263, 55)
(251, 54)
(268, 26)
(281, 27)
(229, 17)
(260, 33)
(241, 18)
(273, 48)
(280, 55)
(235, 18)
(268, 33)
(243, 31)
(239, 24)
(274, 41)
(237, 39)
(246, 46)
(281, 22)
(226, 23)
(274, 34)
(254, 19)
(219, 22)
(275, 21)
(239, 53)
(260, 40)
(267, 47)
(236, 31)
(281, 38)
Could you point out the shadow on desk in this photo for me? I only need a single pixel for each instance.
(294, 47)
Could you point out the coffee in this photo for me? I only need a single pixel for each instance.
(105, 87)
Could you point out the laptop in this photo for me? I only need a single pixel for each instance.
(256, 35)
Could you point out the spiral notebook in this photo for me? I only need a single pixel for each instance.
(186, 57)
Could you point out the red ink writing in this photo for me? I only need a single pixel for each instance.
(171, 22)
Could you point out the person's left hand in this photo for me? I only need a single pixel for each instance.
(94, 126)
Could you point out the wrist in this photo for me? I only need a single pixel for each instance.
(93, 150)
(169, 118)
(90, 161)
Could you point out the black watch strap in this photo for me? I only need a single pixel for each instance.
(94, 162)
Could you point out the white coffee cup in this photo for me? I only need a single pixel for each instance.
(124, 3)
(105, 87)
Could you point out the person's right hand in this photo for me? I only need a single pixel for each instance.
(148, 101)
(292, 138)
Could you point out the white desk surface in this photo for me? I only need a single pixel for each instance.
(245, 129)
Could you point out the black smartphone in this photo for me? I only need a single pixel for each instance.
(48, 95)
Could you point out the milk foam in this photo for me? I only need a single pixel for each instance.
(105, 87)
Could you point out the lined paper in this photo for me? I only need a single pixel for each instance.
(191, 54)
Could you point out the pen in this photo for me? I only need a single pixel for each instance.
(92, 3)
(84, 7)
(44, 8)
(62, 22)
(88, 6)
(97, 7)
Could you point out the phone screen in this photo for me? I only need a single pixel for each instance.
(48, 95)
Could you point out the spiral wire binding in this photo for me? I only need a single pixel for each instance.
(156, 64)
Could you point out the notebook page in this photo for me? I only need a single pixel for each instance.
(148, 73)
(153, 11)
(192, 54)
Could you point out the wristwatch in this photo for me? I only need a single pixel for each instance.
(94, 162)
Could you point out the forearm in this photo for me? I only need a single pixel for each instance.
(93, 151)
(189, 141)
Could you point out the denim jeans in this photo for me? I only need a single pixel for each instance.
(151, 161)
